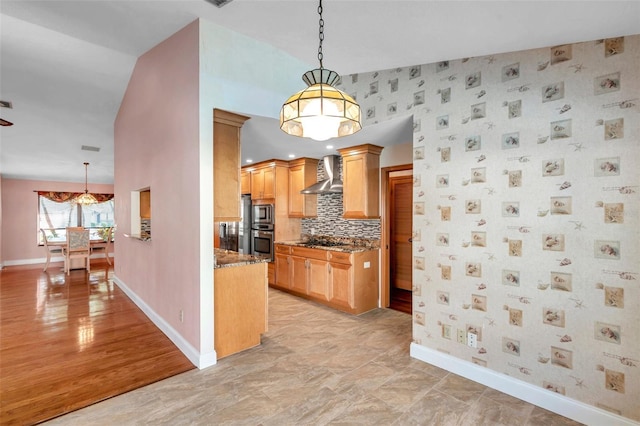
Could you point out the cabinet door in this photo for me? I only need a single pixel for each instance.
(245, 182)
(354, 189)
(226, 151)
(341, 285)
(145, 204)
(257, 184)
(226, 165)
(269, 183)
(318, 279)
(299, 275)
(296, 184)
(283, 271)
(361, 176)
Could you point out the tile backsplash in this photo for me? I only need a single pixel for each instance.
(330, 222)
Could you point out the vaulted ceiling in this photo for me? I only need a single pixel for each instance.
(65, 64)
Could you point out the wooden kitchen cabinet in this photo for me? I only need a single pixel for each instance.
(226, 165)
(298, 279)
(269, 181)
(318, 279)
(353, 281)
(145, 204)
(241, 307)
(309, 272)
(361, 181)
(245, 182)
(342, 280)
(282, 267)
(303, 173)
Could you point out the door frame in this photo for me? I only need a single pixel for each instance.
(386, 230)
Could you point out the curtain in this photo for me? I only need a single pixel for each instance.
(61, 197)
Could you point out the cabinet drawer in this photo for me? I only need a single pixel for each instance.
(340, 257)
(281, 248)
(309, 253)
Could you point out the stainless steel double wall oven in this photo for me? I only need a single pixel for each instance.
(262, 228)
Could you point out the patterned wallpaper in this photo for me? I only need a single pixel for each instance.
(329, 221)
(526, 211)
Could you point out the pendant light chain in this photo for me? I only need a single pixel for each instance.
(320, 33)
(86, 180)
(321, 111)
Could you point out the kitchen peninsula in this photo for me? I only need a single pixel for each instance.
(240, 299)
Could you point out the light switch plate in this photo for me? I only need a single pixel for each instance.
(367, 265)
(462, 338)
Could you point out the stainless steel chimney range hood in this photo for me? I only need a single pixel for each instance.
(332, 183)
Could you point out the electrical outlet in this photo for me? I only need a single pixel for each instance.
(181, 315)
(472, 340)
(462, 338)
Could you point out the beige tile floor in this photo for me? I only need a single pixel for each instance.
(317, 366)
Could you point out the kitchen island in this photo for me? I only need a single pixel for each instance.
(338, 272)
(240, 301)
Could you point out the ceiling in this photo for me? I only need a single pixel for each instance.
(65, 64)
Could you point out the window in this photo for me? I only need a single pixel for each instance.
(55, 216)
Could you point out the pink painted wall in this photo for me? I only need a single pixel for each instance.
(157, 147)
(19, 216)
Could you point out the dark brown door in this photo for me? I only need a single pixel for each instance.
(400, 281)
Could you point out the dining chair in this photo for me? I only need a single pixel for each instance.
(78, 247)
(50, 249)
(108, 235)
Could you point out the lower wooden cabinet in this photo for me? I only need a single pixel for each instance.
(241, 307)
(341, 285)
(282, 267)
(342, 280)
(271, 272)
(317, 279)
(298, 277)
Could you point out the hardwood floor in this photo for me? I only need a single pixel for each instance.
(400, 300)
(68, 342)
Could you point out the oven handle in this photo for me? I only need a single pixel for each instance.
(263, 234)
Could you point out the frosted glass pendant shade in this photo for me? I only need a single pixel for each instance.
(321, 111)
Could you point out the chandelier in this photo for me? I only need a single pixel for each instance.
(86, 198)
(321, 111)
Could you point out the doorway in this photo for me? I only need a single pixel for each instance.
(397, 232)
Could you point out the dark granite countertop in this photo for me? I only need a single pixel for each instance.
(228, 258)
(345, 245)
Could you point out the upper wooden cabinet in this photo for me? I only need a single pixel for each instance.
(226, 165)
(145, 204)
(269, 181)
(303, 172)
(361, 181)
(245, 182)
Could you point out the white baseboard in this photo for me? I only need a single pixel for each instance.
(198, 359)
(44, 259)
(548, 400)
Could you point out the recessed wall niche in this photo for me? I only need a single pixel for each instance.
(141, 213)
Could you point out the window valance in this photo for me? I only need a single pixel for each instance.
(62, 197)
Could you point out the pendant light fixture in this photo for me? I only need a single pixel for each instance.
(86, 198)
(320, 111)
